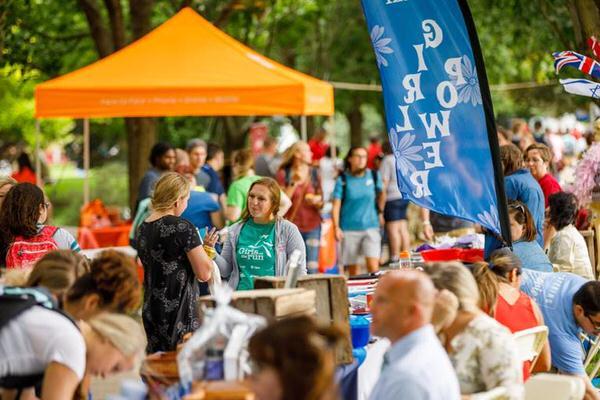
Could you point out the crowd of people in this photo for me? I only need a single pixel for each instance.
(450, 326)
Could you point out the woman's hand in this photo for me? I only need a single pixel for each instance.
(339, 235)
(211, 237)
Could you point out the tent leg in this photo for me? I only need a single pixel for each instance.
(86, 161)
(303, 128)
(38, 161)
(332, 142)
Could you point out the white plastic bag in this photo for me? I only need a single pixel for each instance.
(218, 326)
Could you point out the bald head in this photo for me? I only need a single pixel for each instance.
(402, 303)
(410, 286)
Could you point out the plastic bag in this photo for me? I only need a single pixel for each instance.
(218, 349)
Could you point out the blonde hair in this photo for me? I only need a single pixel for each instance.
(121, 331)
(243, 160)
(287, 159)
(16, 277)
(169, 188)
(7, 180)
(58, 270)
(456, 278)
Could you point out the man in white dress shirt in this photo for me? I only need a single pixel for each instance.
(416, 366)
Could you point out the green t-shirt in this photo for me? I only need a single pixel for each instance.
(255, 253)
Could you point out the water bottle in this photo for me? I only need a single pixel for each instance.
(405, 260)
(417, 260)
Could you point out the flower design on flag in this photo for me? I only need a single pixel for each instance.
(405, 152)
(489, 219)
(468, 92)
(380, 45)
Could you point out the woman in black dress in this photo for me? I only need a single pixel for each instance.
(174, 262)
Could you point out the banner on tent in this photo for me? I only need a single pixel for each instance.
(437, 105)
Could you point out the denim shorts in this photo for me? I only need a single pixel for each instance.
(312, 241)
(395, 210)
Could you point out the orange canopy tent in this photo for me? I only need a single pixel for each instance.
(186, 66)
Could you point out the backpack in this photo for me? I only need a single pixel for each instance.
(373, 176)
(13, 302)
(24, 252)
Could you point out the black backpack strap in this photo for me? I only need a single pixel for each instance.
(314, 178)
(344, 184)
(12, 306)
(374, 176)
(287, 177)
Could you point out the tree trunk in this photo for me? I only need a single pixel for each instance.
(100, 35)
(141, 136)
(588, 19)
(355, 119)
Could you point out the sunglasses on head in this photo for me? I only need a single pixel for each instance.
(519, 207)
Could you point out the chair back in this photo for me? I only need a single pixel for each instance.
(552, 386)
(530, 342)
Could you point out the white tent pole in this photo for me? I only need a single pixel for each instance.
(38, 161)
(332, 141)
(86, 161)
(303, 128)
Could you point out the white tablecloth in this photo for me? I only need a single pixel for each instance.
(368, 372)
(92, 253)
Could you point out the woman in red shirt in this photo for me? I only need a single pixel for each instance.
(537, 159)
(501, 298)
(25, 173)
(301, 182)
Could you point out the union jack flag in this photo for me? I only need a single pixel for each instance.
(572, 59)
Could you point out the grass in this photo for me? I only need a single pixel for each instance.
(108, 183)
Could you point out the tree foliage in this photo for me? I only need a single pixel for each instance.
(41, 39)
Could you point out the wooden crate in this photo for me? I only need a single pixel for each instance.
(271, 303)
(331, 303)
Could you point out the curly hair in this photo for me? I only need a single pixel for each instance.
(563, 209)
(157, 151)
(19, 214)
(21, 210)
(302, 353)
(113, 277)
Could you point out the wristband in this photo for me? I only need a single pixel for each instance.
(426, 223)
(210, 251)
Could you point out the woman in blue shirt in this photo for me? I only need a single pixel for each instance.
(523, 233)
(358, 202)
(520, 185)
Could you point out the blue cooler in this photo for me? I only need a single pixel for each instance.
(360, 330)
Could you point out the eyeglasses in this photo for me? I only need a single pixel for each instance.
(534, 160)
(46, 204)
(595, 324)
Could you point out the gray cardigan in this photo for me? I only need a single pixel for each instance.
(287, 239)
